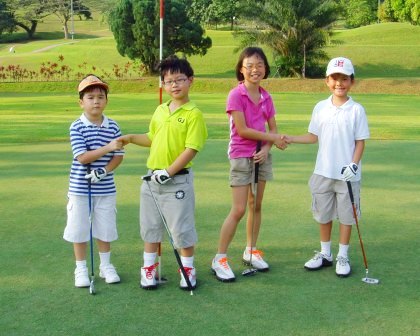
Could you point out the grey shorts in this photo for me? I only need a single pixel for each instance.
(176, 200)
(331, 200)
(242, 171)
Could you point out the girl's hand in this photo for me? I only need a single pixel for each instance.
(262, 155)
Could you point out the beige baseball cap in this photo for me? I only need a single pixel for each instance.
(91, 80)
(340, 65)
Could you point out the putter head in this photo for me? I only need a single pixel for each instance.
(370, 281)
(92, 288)
(161, 281)
(249, 272)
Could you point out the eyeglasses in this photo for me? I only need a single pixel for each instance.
(178, 81)
(250, 67)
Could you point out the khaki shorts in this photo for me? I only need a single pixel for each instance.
(104, 219)
(242, 171)
(331, 200)
(176, 200)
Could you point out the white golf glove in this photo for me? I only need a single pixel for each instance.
(160, 176)
(349, 172)
(96, 175)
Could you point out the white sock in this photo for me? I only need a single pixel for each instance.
(149, 258)
(81, 264)
(187, 261)
(248, 249)
(326, 248)
(105, 258)
(343, 250)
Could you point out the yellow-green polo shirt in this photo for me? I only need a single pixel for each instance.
(170, 134)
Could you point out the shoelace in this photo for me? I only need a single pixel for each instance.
(257, 253)
(342, 260)
(224, 263)
(187, 270)
(318, 255)
(149, 270)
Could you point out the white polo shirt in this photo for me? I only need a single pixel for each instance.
(337, 129)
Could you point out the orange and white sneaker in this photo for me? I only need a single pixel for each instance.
(257, 260)
(191, 275)
(148, 277)
(220, 267)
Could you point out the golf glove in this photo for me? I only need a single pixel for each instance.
(96, 175)
(349, 172)
(160, 176)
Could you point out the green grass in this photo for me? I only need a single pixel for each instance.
(36, 273)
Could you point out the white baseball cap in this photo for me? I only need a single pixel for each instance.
(340, 65)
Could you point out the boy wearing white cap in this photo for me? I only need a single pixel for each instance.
(340, 127)
(96, 154)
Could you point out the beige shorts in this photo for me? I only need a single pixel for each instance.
(242, 171)
(104, 219)
(176, 200)
(331, 200)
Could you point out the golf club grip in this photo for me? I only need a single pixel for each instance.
(257, 164)
(350, 192)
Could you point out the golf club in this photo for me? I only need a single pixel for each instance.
(254, 186)
(147, 179)
(366, 279)
(160, 279)
(92, 279)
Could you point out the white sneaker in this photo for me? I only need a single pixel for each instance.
(318, 261)
(257, 260)
(81, 277)
(222, 270)
(148, 277)
(191, 273)
(342, 268)
(109, 273)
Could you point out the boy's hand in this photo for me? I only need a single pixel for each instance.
(160, 176)
(349, 172)
(96, 175)
(116, 144)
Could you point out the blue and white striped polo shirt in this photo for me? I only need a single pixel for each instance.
(85, 136)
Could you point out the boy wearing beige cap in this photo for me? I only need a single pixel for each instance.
(340, 127)
(92, 194)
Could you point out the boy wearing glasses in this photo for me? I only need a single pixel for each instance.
(177, 132)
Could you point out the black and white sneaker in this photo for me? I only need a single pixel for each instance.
(342, 268)
(318, 261)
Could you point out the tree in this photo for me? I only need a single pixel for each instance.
(295, 30)
(403, 10)
(359, 12)
(7, 22)
(135, 25)
(63, 11)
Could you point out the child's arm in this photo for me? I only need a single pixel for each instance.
(181, 161)
(114, 163)
(93, 155)
(309, 138)
(358, 151)
(137, 139)
(249, 133)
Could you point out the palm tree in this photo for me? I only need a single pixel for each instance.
(295, 30)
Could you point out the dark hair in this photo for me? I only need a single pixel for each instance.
(173, 64)
(248, 52)
(93, 87)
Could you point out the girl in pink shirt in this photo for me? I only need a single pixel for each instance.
(251, 110)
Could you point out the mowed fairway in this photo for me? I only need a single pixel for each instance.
(37, 296)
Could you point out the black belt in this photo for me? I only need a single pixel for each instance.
(183, 171)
